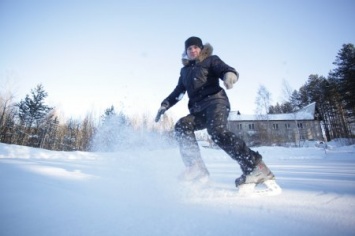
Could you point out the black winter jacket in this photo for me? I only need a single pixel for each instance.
(200, 78)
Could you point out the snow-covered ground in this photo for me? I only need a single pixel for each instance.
(136, 192)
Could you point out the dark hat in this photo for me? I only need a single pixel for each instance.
(193, 41)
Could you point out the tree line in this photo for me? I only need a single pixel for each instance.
(31, 122)
(334, 96)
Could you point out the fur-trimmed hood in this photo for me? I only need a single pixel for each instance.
(205, 52)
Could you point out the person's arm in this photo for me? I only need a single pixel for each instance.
(174, 97)
(227, 73)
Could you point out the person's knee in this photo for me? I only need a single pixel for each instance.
(224, 137)
(179, 125)
(217, 134)
(216, 131)
(183, 125)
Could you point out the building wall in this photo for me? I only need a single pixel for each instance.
(276, 132)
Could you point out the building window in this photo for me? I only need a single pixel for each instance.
(300, 125)
(287, 126)
(275, 126)
(239, 126)
(251, 126)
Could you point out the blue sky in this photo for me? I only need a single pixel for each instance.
(90, 55)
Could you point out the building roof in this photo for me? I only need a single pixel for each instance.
(306, 113)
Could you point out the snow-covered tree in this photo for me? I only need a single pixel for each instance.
(114, 131)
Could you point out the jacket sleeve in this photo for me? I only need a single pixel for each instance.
(220, 68)
(175, 96)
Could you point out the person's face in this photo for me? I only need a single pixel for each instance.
(193, 52)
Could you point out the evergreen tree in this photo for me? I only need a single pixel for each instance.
(286, 107)
(275, 109)
(344, 74)
(295, 101)
(32, 111)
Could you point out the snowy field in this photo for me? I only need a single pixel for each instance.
(137, 193)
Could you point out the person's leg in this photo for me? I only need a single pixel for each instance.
(189, 149)
(217, 118)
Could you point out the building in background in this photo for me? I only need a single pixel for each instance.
(276, 129)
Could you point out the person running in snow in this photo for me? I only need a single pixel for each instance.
(209, 108)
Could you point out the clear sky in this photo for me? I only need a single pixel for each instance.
(90, 55)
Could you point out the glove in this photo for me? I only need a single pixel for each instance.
(161, 111)
(229, 79)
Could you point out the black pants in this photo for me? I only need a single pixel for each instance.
(214, 119)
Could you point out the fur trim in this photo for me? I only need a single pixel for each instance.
(205, 52)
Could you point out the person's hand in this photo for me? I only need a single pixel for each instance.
(161, 111)
(229, 79)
